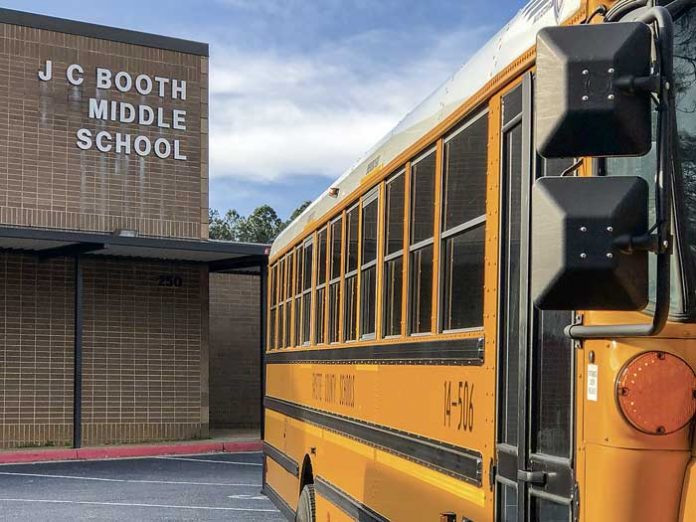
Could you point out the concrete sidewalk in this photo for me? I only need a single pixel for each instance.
(228, 441)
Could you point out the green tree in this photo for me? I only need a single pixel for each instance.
(295, 213)
(261, 226)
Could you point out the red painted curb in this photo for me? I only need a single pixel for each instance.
(113, 452)
(37, 456)
(238, 447)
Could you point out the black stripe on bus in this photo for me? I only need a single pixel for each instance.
(282, 459)
(278, 501)
(467, 351)
(461, 463)
(350, 506)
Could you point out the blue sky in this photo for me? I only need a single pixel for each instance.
(300, 89)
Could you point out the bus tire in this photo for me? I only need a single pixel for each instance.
(306, 509)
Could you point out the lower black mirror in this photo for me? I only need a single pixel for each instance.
(582, 232)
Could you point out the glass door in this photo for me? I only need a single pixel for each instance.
(534, 467)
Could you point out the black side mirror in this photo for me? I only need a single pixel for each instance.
(591, 95)
(583, 231)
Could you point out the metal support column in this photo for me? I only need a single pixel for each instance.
(77, 356)
(263, 290)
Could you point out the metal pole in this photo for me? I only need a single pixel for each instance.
(263, 289)
(77, 357)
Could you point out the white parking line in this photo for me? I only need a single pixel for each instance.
(236, 463)
(127, 504)
(135, 481)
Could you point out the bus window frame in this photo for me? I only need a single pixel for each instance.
(372, 196)
(320, 286)
(355, 273)
(338, 280)
(387, 258)
(467, 226)
(424, 243)
(307, 290)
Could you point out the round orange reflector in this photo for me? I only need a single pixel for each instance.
(655, 391)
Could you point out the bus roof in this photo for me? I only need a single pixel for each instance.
(509, 43)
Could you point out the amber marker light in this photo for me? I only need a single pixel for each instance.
(655, 392)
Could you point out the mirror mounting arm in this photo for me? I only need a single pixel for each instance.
(634, 84)
(663, 19)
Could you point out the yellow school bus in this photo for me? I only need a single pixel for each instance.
(491, 316)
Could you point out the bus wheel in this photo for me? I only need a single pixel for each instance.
(306, 511)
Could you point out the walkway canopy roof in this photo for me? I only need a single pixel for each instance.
(219, 255)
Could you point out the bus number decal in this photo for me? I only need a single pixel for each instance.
(458, 404)
(332, 389)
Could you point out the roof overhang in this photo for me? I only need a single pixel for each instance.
(219, 255)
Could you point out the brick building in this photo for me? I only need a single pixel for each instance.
(105, 265)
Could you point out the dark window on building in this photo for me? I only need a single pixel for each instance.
(463, 225)
(368, 268)
(393, 255)
(421, 247)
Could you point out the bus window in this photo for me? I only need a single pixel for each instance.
(281, 303)
(368, 261)
(272, 311)
(464, 215)
(393, 255)
(288, 300)
(335, 281)
(298, 296)
(320, 308)
(421, 246)
(350, 303)
(307, 253)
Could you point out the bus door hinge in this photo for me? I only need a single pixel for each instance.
(492, 470)
(575, 502)
(578, 319)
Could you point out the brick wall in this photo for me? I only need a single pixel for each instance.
(36, 351)
(145, 359)
(47, 181)
(143, 348)
(234, 351)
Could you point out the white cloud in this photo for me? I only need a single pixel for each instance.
(275, 113)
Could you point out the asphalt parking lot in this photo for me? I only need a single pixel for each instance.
(219, 486)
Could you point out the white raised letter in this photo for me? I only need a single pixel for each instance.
(70, 73)
(123, 81)
(98, 109)
(162, 153)
(160, 118)
(123, 141)
(139, 80)
(103, 78)
(100, 141)
(142, 111)
(179, 119)
(84, 139)
(161, 82)
(138, 145)
(47, 73)
(179, 89)
(127, 113)
(177, 153)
